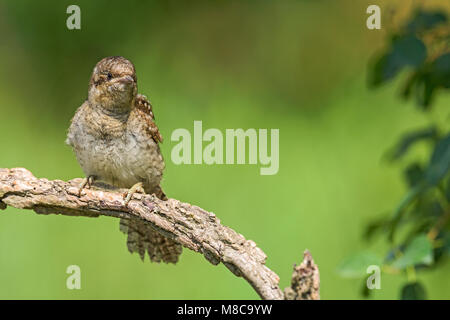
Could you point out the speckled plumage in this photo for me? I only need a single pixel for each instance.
(115, 139)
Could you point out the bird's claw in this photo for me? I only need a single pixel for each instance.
(136, 188)
(86, 183)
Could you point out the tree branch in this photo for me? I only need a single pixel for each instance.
(189, 225)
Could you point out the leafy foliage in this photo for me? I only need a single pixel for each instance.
(421, 220)
(356, 265)
(411, 49)
(410, 139)
(413, 291)
(418, 251)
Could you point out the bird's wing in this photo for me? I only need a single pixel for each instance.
(141, 236)
(74, 124)
(144, 107)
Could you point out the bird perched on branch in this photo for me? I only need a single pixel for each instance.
(116, 141)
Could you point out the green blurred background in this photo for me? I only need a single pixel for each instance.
(299, 66)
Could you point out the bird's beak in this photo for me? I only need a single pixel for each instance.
(126, 80)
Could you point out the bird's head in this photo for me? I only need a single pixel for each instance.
(113, 84)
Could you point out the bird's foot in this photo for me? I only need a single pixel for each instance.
(86, 183)
(136, 188)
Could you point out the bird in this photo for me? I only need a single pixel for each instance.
(116, 142)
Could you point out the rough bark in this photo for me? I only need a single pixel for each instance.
(305, 282)
(189, 225)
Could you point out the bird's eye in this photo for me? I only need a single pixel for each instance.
(109, 76)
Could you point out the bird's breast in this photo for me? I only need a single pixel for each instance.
(116, 156)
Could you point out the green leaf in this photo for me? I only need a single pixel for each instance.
(412, 194)
(439, 162)
(436, 170)
(425, 81)
(413, 291)
(419, 250)
(377, 73)
(441, 71)
(413, 174)
(425, 88)
(405, 51)
(410, 139)
(446, 243)
(365, 291)
(425, 20)
(446, 248)
(356, 265)
(447, 191)
(375, 227)
(442, 250)
(411, 83)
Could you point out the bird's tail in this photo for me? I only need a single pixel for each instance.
(142, 237)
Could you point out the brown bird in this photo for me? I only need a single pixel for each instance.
(115, 139)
